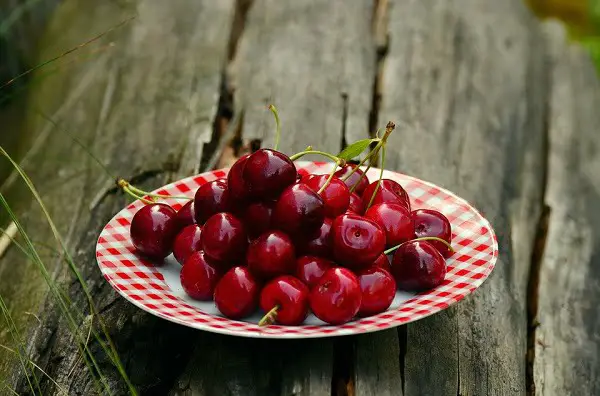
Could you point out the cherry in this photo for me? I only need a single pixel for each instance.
(285, 298)
(187, 242)
(299, 210)
(185, 215)
(389, 191)
(236, 293)
(336, 298)
(317, 243)
(310, 269)
(199, 277)
(352, 180)
(431, 223)
(417, 266)
(394, 219)
(336, 195)
(268, 172)
(383, 262)
(357, 241)
(257, 218)
(271, 254)
(238, 189)
(378, 289)
(224, 238)
(357, 205)
(211, 198)
(153, 229)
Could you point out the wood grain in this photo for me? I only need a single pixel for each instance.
(567, 357)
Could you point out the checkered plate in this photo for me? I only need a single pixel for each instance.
(156, 288)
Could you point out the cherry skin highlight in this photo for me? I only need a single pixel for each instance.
(267, 173)
(187, 242)
(211, 198)
(299, 210)
(153, 230)
(310, 269)
(290, 296)
(378, 289)
(270, 255)
(224, 238)
(336, 195)
(431, 223)
(357, 241)
(356, 206)
(236, 294)
(199, 277)
(389, 191)
(395, 220)
(336, 298)
(417, 266)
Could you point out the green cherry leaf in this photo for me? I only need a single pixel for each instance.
(355, 149)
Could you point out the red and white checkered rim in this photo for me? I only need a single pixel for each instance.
(144, 285)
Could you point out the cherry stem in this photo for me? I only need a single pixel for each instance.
(127, 190)
(122, 183)
(269, 317)
(380, 178)
(328, 181)
(421, 239)
(278, 124)
(339, 161)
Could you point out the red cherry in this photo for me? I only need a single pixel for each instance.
(378, 289)
(290, 296)
(299, 210)
(336, 298)
(224, 238)
(352, 180)
(211, 198)
(317, 243)
(153, 229)
(185, 215)
(357, 205)
(383, 262)
(357, 241)
(389, 191)
(268, 172)
(236, 294)
(431, 223)
(257, 218)
(395, 220)
(336, 195)
(271, 254)
(417, 266)
(199, 277)
(310, 269)
(238, 189)
(187, 242)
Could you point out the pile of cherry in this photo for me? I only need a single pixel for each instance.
(290, 243)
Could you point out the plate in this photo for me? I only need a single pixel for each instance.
(156, 288)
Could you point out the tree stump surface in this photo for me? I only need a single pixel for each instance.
(489, 103)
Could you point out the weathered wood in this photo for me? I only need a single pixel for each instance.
(464, 81)
(567, 356)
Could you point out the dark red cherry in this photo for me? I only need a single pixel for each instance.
(336, 298)
(224, 238)
(310, 269)
(389, 191)
(270, 255)
(336, 195)
(417, 266)
(378, 289)
(394, 219)
(268, 172)
(357, 206)
(236, 294)
(354, 179)
(187, 242)
(238, 188)
(299, 210)
(357, 241)
(431, 223)
(383, 262)
(317, 243)
(257, 218)
(153, 230)
(290, 295)
(211, 198)
(185, 215)
(199, 277)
